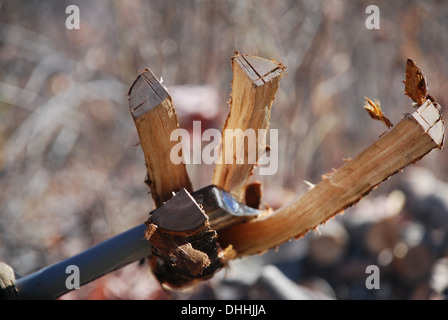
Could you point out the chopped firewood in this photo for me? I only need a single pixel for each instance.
(254, 86)
(155, 118)
(415, 84)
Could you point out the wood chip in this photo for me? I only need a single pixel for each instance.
(373, 108)
(415, 84)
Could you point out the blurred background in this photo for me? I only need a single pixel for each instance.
(72, 172)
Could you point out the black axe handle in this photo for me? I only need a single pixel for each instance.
(130, 246)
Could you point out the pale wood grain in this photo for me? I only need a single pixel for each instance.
(155, 118)
(411, 139)
(254, 86)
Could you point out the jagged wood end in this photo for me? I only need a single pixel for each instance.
(411, 139)
(185, 248)
(254, 86)
(155, 118)
(415, 84)
(180, 215)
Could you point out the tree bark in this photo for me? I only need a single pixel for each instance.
(254, 86)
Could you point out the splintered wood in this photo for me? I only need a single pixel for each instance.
(412, 138)
(155, 118)
(373, 108)
(404, 144)
(186, 248)
(254, 86)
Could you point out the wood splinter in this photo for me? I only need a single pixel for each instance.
(407, 142)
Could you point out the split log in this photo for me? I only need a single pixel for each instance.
(381, 235)
(254, 86)
(155, 118)
(7, 279)
(411, 139)
(415, 266)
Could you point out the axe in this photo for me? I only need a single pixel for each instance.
(221, 208)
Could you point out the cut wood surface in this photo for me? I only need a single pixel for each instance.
(254, 86)
(181, 216)
(411, 139)
(155, 118)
